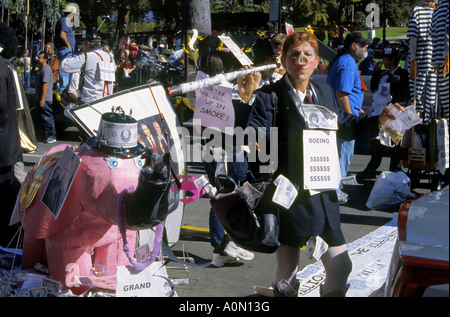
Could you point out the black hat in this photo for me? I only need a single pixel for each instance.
(354, 37)
(391, 52)
(262, 49)
(117, 135)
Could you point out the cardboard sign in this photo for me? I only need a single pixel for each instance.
(442, 144)
(289, 28)
(60, 181)
(240, 55)
(151, 282)
(320, 160)
(213, 106)
(107, 71)
(370, 256)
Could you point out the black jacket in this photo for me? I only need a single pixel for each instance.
(10, 150)
(307, 214)
(399, 86)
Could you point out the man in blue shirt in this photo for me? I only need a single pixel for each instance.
(64, 42)
(346, 82)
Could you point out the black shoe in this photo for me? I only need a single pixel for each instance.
(366, 175)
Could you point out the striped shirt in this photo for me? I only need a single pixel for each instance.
(439, 33)
(418, 27)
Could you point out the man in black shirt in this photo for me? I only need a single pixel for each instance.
(395, 81)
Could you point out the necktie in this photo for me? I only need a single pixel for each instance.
(308, 96)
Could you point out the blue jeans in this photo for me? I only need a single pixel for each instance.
(345, 151)
(63, 77)
(25, 80)
(48, 120)
(238, 171)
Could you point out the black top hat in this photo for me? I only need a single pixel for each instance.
(117, 135)
(391, 52)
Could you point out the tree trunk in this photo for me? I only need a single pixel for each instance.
(123, 19)
(197, 15)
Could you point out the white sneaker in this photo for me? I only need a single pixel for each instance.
(233, 250)
(220, 260)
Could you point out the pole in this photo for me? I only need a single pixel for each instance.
(384, 23)
(43, 27)
(27, 84)
(26, 24)
(279, 16)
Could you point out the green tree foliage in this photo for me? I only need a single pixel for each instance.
(169, 14)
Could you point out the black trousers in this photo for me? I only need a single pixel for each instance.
(377, 152)
(7, 232)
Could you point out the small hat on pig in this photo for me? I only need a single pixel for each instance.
(117, 135)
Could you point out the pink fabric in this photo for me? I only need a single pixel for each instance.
(86, 231)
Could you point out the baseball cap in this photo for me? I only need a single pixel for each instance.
(354, 37)
(70, 8)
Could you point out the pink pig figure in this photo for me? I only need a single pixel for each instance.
(86, 231)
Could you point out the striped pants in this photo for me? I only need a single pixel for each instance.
(428, 87)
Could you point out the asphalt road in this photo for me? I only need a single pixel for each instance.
(238, 280)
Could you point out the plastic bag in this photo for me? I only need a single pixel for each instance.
(394, 129)
(390, 190)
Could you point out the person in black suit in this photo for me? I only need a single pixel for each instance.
(312, 213)
(395, 80)
(10, 149)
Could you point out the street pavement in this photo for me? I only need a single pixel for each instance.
(238, 280)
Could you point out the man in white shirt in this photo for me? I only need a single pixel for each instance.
(150, 42)
(96, 67)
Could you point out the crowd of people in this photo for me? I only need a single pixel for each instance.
(277, 98)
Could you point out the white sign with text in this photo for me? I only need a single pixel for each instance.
(213, 106)
(235, 49)
(150, 282)
(320, 160)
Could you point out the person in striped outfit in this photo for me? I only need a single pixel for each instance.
(440, 59)
(422, 77)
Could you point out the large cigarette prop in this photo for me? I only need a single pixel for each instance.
(215, 80)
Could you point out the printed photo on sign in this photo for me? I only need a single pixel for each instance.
(151, 135)
(60, 181)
